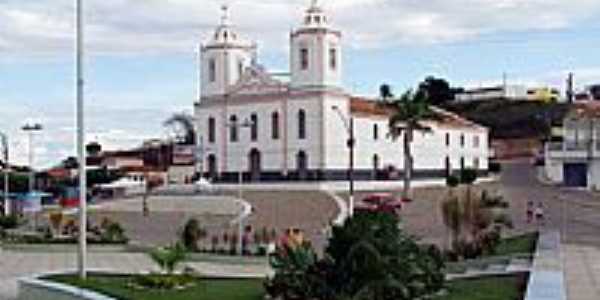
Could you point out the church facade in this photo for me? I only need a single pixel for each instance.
(297, 128)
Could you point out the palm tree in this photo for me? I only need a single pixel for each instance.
(409, 113)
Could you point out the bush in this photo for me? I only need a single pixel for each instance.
(452, 181)
(495, 167)
(163, 282)
(192, 234)
(9, 222)
(113, 233)
(169, 258)
(468, 176)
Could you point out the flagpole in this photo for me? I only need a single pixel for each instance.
(82, 259)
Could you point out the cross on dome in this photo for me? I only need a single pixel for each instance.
(225, 15)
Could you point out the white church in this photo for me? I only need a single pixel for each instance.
(274, 129)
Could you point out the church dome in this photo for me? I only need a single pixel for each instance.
(225, 33)
(315, 16)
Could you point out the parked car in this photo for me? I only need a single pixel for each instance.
(381, 202)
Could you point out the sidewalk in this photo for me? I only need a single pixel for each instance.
(582, 271)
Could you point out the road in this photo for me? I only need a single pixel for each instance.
(575, 213)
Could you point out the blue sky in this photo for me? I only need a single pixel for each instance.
(141, 66)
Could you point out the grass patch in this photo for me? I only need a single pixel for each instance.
(204, 289)
(511, 287)
(521, 244)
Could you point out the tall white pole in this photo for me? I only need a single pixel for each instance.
(6, 177)
(82, 259)
(31, 172)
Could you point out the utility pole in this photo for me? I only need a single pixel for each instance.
(4, 141)
(350, 143)
(570, 89)
(79, 82)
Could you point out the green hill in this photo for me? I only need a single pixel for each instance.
(512, 119)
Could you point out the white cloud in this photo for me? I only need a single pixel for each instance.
(125, 26)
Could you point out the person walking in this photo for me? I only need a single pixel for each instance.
(529, 212)
(539, 214)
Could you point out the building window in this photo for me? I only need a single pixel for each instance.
(448, 139)
(476, 164)
(212, 130)
(448, 166)
(375, 131)
(333, 58)
(301, 124)
(275, 125)
(476, 141)
(254, 127)
(462, 140)
(212, 70)
(462, 163)
(304, 58)
(233, 129)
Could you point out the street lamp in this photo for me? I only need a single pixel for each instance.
(4, 142)
(246, 124)
(31, 129)
(351, 144)
(79, 83)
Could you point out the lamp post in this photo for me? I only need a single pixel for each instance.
(246, 124)
(351, 144)
(79, 83)
(4, 142)
(31, 129)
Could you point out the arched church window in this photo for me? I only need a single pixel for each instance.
(301, 124)
(275, 125)
(304, 58)
(333, 58)
(212, 70)
(254, 127)
(233, 129)
(212, 130)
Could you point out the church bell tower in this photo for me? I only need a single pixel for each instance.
(223, 58)
(316, 52)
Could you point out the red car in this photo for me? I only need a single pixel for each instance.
(380, 203)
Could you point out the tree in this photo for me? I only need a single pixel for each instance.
(451, 207)
(373, 259)
(408, 114)
(296, 271)
(192, 234)
(476, 224)
(436, 90)
(93, 149)
(385, 91)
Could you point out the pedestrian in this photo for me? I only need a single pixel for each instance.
(529, 212)
(539, 213)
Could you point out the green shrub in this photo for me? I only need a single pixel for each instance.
(163, 282)
(9, 222)
(169, 258)
(192, 234)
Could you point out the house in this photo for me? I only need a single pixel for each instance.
(573, 159)
(297, 129)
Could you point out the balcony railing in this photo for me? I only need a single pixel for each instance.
(575, 149)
